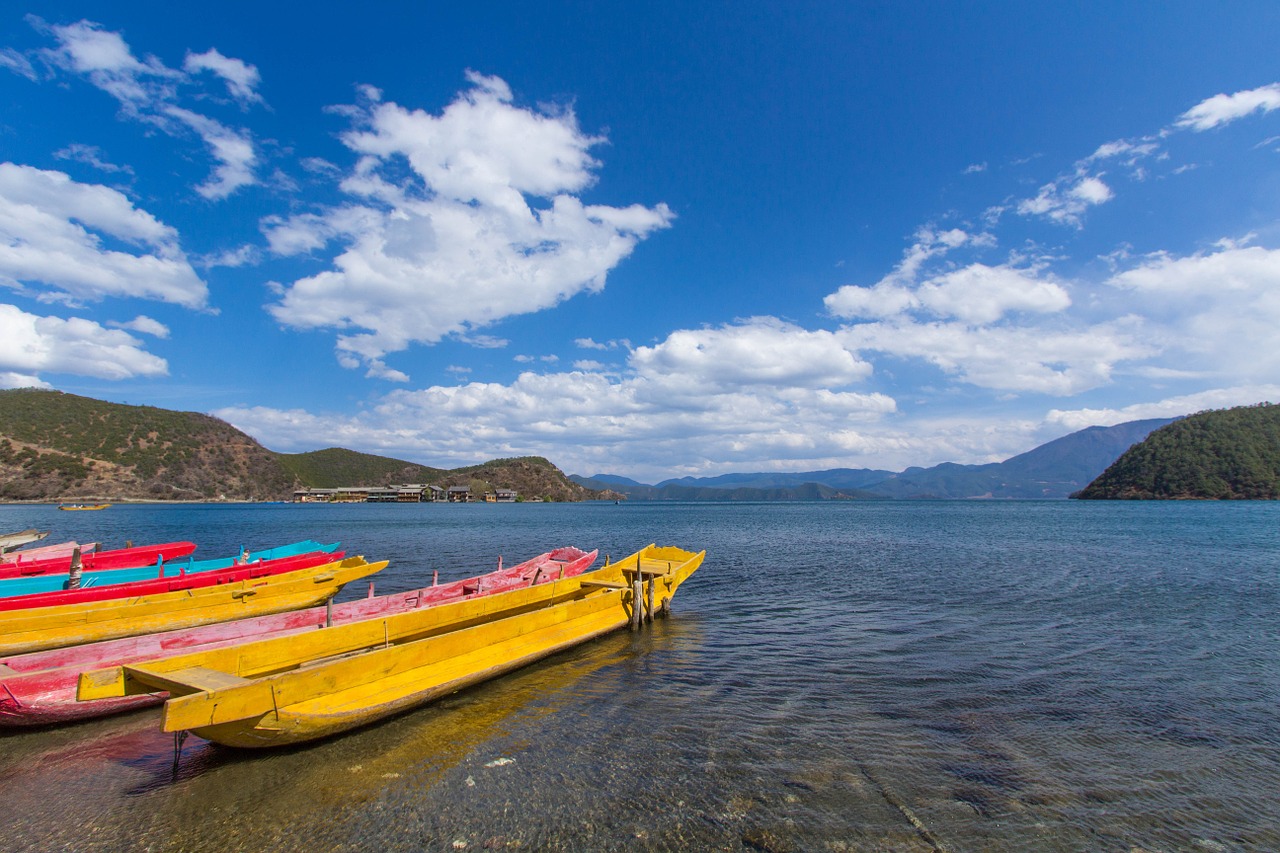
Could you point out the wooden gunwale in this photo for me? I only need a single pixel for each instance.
(42, 685)
(65, 625)
(289, 699)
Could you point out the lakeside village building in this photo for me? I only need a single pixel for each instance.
(412, 493)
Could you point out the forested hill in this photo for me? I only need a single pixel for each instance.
(60, 447)
(56, 446)
(1224, 454)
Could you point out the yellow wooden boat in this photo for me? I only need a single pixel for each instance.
(83, 507)
(35, 628)
(308, 686)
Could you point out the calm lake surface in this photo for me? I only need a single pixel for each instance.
(961, 676)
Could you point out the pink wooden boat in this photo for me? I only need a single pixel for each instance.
(98, 561)
(46, 552)
(39, 688)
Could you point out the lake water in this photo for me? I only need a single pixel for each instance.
(961, 676)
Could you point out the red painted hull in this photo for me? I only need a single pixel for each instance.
(264, 568)
(97, 561)
(39, 688)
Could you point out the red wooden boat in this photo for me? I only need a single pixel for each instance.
(263, 568)
(98, 561)
(39, 688)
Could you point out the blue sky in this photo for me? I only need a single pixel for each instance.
(657, 239)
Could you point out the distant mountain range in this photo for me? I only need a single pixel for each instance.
(56, 446)
(1053, 470)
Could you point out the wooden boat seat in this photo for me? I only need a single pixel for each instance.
(199, 678)
(605, 584)
(656, 568)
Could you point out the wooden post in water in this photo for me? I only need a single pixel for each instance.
(636, 601)
(73, 577)
(328, 612)
(653, 581)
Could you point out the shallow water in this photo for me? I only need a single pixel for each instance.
(862, 676)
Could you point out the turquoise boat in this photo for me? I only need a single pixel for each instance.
(185, 566)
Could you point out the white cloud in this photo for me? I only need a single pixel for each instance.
(242, 79)
(18, 64)
(1214, 398)
(9, 379)
(894, 294)
(1066, 200)
(976, 293)
(104, 57)
(485, 225)
(246, 255)
(90, 155)
(31, 345)
(51, 231)
(1222, 308)
(1043, 360)
(711, 397)
(145, 325)
(982, 294)
(1127, 151)
(762, 352)
(232, 149)
(1224, 109)
(149, 91)
(585, 421)
(320, 166)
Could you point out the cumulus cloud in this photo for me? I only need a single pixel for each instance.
(483, 224)
(762, 352)
(149, 91)
(1036, 359)
(1223, 306)
(976, 294)
(51, 237)
(760, 388)
(31, 345)
(1223, 109)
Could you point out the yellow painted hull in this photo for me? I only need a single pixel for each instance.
(274, 693)
(37, 628)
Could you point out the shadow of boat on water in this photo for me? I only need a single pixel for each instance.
(413, 748)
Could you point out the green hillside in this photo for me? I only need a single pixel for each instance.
(62, 447)
(1218, 455)
(334, 467)
(56, 446)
